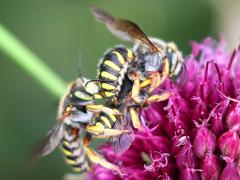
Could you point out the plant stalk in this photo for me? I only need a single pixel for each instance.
(31, 63)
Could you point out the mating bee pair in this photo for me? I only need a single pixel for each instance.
(127, 78)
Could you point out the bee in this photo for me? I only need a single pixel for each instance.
(154, 61)
(132, 75)
(73, 116)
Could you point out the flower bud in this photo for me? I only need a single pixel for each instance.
(229, 144)
(217, 124)
(230, 172)
(189, 174)
(185, 156)
(204, 142)
(233, 116)
(210, 166)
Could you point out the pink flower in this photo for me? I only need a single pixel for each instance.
(193, 135)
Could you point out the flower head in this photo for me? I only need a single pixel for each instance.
(193, 135)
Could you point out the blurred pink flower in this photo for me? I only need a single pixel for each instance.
(193, 135)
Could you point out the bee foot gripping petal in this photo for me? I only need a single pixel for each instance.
(97, 159)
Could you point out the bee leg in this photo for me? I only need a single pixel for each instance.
(101, 132)
(145, 83)
(135, 91)
(157, 98)
(153, 81)
(100, 108)
(156, 80)
(96, 158)
(135, 94)
(135, 118)
(166, 69)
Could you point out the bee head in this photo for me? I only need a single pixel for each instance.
(82, 91)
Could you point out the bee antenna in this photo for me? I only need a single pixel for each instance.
(79, 64)
(185, 74)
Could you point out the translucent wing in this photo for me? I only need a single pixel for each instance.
(124, 29)
(50, 142)
(124, 141)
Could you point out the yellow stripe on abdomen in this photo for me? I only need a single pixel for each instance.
(106, 121)
(130, 55)
(66, 143)
(70, 161)
(66, 152)
(109, 94)
(107, 75)
(107, 86)
(119, 57)
(112, 65)
(113, 118)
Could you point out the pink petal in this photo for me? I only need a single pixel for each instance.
(210, 166)
(204, 142)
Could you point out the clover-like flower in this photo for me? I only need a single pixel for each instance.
(195, 133)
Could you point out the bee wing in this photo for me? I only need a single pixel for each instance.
(50, 142)
(124, 141)
(124, 29)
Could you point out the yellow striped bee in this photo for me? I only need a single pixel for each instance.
(132, 75)
(154, 61)
(73, 116)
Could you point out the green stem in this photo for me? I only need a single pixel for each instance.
(32, 64)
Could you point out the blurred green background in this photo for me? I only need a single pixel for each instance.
(57, 31)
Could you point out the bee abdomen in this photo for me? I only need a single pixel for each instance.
(73, 150)
(113, 68)
(106, 119)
